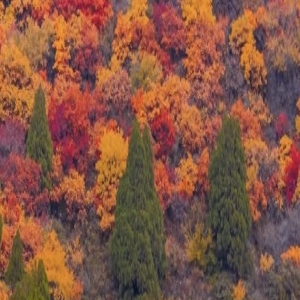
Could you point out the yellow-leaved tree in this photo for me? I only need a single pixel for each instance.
(110, 167)
(292, 255)
(18, 83)
(239, 291)
(186, 172)
(266, 262)
(63, 284)
(242, 43)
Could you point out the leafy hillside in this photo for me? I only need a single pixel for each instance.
(149, 149)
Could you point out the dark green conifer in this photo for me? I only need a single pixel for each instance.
(229, 214)
(136, 228)
(33, 286)
(42, 281)
(15, 269)
(155, 211)
(38, 142)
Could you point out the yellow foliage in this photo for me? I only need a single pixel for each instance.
(285, 144)
(242, 31)
(102, 76)
(123, 32)
(111, 166)
(197, 11)
(145, 71)
(18, 83)
(72, 188)
(54, 258)
(67, 36)
(239, 291)
(259, 108)
(172, 96)
(296, 196)
(297, 120)
(242, 43)
(292, 255)
(252, 61)
(190, 126)
(266, 262)
(198, 244)
(187, 176)
(4, 291)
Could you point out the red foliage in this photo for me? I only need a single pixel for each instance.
(12, 138)
(87, 58)
(170, 28)
(163, 131)
(281, 125)
(21, 182)
(69, 124)
(291, 172)
(98, 11)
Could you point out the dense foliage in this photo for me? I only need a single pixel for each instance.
(178, 204)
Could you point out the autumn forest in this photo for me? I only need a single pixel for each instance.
(149, 149)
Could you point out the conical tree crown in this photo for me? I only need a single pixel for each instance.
(229, 213)
(15, 269)
(42, 281)
(137, 245)
(33, 286)
(38, 143)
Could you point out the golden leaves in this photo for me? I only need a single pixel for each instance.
(111, 166)
(293, 255)
(54, 258)
(187, 177)
(266, 262)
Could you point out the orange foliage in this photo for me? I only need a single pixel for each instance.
(71, 191)
(110, 167)
(164, 187)
(187, 177)
(249, 122)
(62, 282)
(203, 165)
(190, 127)
(292, 255)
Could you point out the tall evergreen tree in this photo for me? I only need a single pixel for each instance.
(157, 234)
(229, 213)
(135, 261)
(39, 143)
(33, 286)
(15, 269)
(42, 281)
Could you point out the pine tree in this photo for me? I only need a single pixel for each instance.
(137, 231)
(157, 235)
(33, 286)
(229, 213)
(15, 269)
(42, 281)
(38, 143)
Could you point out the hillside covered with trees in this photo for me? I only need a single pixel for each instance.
(149, 149)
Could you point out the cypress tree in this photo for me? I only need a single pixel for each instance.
(134, 259)
(42, 281)
(155, 211)
(33, 286)
(229, 213)
(15, 269)
(38, 142)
